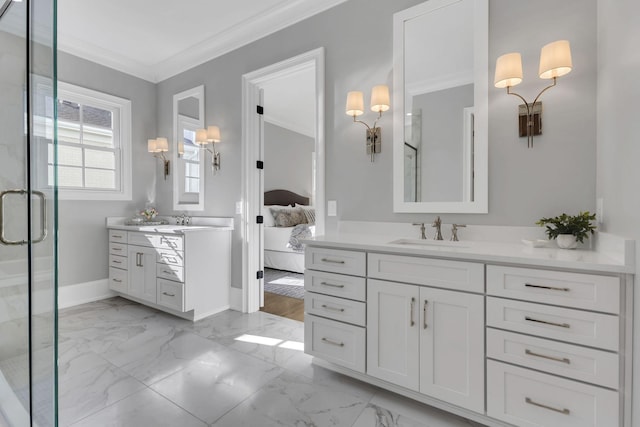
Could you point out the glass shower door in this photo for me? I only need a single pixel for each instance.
(28, 310)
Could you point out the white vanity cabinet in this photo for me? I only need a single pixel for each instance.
(492, 336)
(424, 338)
(185, 273)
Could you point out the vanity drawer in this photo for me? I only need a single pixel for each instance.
(531, 399)
(457, 275)
(142, 239)
(118, 236)
(565, 324)
(568, 360)
(170, 272)
(170, 257)
(335, 342)
(170, 294)
(169, 241)
(587, 291)
(336, 284)
(118, 280)
(340, 309)
(335, 261)
(119, 249)
(117, 261)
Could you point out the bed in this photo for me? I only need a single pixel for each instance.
(276, 253)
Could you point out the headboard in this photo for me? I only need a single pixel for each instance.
(284, 198)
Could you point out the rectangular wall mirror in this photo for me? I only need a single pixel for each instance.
(188, 158)
(440, 148)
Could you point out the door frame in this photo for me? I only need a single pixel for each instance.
(250, 231)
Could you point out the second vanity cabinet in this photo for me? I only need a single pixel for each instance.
(186, 274)
(505, 345)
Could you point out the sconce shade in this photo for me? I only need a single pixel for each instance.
(213, 134)
(201, 136)
(355, 103)
(508, 70)
(181, 148)
(162, 145)
(151, 146)
(380, 98)
(555, 59)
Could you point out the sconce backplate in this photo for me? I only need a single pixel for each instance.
(536, 117)
(374, 140)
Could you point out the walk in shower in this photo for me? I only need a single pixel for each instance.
(28, 209)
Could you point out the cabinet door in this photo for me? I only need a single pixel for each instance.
(142, 273)
(392, 333)
(452, 347)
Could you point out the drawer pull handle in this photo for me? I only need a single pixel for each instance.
(328, 341)
(332, 285)
(551, 288)
(557, 359)
(411, 307)
(328, 307)
(333, 261)
(560, 325)
(564, 411)
(168, 294)
(117, 236)
(424, 314)
(167, 272)
(117, 280)
(117, 249)
(116, 262)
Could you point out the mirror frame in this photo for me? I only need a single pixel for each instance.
(196, 92)
(481, 106)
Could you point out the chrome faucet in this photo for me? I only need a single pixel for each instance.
(182, 219)
(423, 234)
(454, 231)
(437, 224)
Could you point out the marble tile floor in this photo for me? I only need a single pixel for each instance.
(124, 364)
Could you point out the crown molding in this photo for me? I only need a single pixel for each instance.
(254, 28)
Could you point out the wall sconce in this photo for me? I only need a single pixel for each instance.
(158, 147)
(555, 61)
(210, 135)
(379, 104)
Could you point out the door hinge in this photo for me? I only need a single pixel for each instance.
(259, 219)
(260, 274)
(260, 109)
(260, 164)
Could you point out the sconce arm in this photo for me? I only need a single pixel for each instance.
(519, 96)
(544, 90)
(360, 121)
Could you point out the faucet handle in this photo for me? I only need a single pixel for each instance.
(454, 231)
(423, 234)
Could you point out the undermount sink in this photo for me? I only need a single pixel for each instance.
(428, 243)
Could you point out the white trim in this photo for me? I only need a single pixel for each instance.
(235, 299)
(250, 231)
(82, 293)
(92, 97)
(481, 107)
(196, 92)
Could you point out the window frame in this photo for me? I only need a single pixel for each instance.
(123, 147)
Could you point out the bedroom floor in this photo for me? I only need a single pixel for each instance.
(284, 294)
(124, 364)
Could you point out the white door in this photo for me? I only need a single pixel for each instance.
(452, 347)
(261, 197)
(142, 273)
(393, 333)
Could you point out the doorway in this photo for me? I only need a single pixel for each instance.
(258, 87)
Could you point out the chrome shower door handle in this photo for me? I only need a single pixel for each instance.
(3, 238)
(43, 216)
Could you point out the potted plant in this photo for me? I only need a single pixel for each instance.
(569, 230)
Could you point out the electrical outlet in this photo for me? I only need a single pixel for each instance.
(332, 208)
(600, 210)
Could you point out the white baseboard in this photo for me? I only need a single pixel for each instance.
(235, 299)
(82, 293)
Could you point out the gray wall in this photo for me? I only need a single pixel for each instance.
(287, 158)
(83, 242)
(618, 130)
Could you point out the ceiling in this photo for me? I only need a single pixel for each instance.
(157, 39)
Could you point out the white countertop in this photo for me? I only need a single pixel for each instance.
(484, 251)
(169, 229)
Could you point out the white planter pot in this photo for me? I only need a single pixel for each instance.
(566, 241)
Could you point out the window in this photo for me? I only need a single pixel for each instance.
(94, 145)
